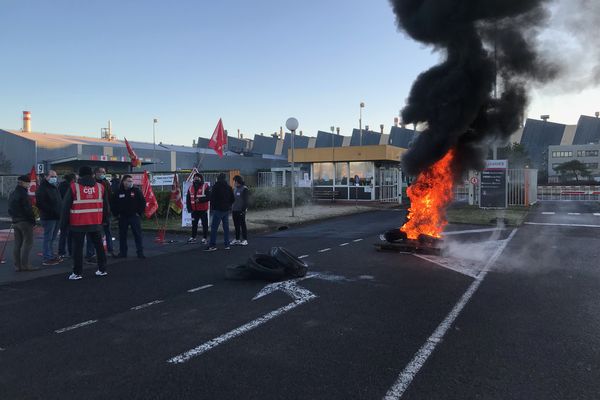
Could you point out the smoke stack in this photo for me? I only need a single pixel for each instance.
(26, 121)
(238, 133)
(366, 127)
(544, 117)
(338, 129)
(597, 114)
(381, 127)
(396, 121)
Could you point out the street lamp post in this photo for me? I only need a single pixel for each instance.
(362, 105)
(154, 122)
(292, 125)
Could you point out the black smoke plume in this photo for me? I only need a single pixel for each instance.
(481, 40)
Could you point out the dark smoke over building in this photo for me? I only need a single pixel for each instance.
(481, 39)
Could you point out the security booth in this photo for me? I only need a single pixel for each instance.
(361, 173)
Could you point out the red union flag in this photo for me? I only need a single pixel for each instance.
(175, 202)
(32, 185)
(135, 161)
(218, 139)
(151, 203)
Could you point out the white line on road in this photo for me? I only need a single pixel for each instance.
(236, 332)
(303, 256)
(471, 231)
(574, 213)
(146, 305)
(70, 328)
(410, 371)
(344, 244)
(324, 250)
(548, 213)
(357, 240)
(597, 214)
(572, 225)
(199, 288)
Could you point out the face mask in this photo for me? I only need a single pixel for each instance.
(53, 180)
(128, 185)
(102, 177)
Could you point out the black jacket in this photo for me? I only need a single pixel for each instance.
(188, 199)
(221, 196)
(128, 202)
(68, 202)
(63, 187)
(48, 200)
(19, 206)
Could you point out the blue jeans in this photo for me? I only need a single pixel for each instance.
(50, 232)
(217, 218)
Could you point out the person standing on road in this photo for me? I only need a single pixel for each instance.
(23, 220)
(197, 200)
(239, 207)
(64, 238)
(49, 201)
(100, 175)
(129, 204)
(221, 199)
(85, 210)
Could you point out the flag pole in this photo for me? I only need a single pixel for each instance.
(2, 260)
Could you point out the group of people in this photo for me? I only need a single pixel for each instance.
(79, 208)
(222, 200)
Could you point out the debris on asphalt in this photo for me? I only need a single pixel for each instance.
(278, 264)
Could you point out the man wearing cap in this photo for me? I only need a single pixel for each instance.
(23, 220)
(85, 211)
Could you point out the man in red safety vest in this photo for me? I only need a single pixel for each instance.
(85, 212)
(197, 204)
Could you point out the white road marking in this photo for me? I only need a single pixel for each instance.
(455, 268)
(571, 225)
(410, 371)
(357, 240)
(146, 305)
(199, 288)
(597, 214)
(471, 231)
(574, 213)
(70, 328)
(548, 213)
(299, 294)
(324, 250)
(344, 244)
(303, 256)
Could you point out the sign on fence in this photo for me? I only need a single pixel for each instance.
(494, 185)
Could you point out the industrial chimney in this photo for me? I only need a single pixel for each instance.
(381, 127)
(27, 121)
(396, 120)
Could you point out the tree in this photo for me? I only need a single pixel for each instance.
(574, 168)
(5, 164)
(516, 154)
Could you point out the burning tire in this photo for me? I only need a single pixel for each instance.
(394, 236)
(292, 264)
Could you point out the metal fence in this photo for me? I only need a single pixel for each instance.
(7, 185)
(569, 193)
(522, 187)
(270, 179)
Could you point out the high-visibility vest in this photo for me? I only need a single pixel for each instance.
(87, 205)
(196, 196)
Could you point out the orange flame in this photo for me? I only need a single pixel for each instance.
(429, 196)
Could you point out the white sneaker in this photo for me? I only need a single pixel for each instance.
(244, 243)
(101, 273)
(234, 242)
(74, 277)
(203, 241)
(192, 240)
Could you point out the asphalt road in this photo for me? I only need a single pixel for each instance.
(502, 315)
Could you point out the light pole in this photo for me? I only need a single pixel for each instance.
(292, 125)
(154, 122)
(362, 105)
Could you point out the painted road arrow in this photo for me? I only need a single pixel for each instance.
(299, 294)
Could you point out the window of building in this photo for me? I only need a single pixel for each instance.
(323, 174)
(364, 171)
(592, 165)
(587, 153)
(341, 174)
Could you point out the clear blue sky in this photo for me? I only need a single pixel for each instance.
(76, 64)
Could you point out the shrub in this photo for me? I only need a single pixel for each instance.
(277, 197)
